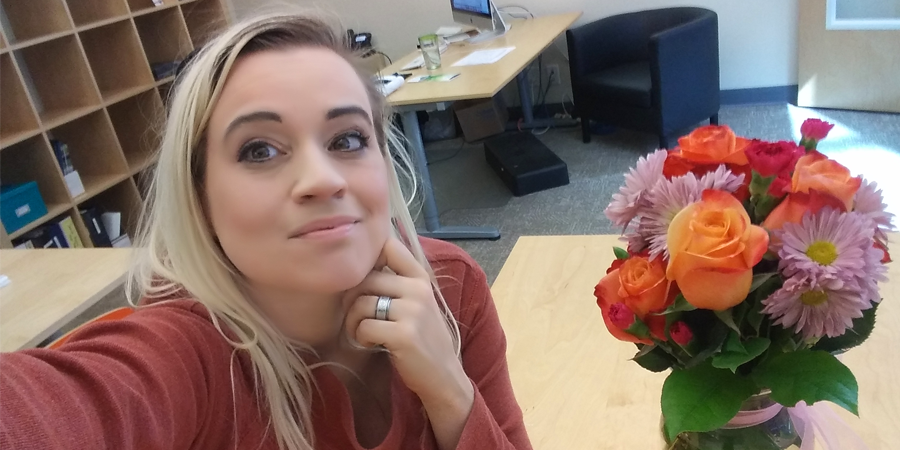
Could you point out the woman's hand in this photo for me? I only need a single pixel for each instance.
(416, 335)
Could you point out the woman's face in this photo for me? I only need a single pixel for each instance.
(296, 186)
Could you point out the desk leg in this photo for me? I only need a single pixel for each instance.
(528, 120)
(433, 227)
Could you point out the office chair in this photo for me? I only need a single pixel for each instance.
(655, 71)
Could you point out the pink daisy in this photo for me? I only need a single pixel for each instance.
(814, 309)
(869, 201)
(669, 197)
(875, 271)
(630, 201)
(829, 244)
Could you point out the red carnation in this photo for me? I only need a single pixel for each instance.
(815, 129)
(773, 158)
(620, 315)
(681, 333)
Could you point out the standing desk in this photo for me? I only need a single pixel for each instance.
(530, 37)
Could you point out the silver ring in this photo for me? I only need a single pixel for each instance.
(382, 307)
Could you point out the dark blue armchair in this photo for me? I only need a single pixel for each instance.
(655, 71)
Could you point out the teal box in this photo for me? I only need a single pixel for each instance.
(20, 204)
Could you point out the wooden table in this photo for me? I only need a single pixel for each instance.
(575, 383)
(529, 37)
(48, 288)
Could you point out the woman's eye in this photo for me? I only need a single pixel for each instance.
(257, 152)
(350, 142)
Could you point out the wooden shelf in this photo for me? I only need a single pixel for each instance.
(95, 184)
(123, 197)
(33, 160)
(204, 19)
(88, 12)
(79, 71)
(164, 36)
(19, 120)
(94, 150)
(135, 121)
(53, 210)
(61, 79)
(116, 58)
(34, 19)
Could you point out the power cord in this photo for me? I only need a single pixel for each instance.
(390, 61)
(503, 8)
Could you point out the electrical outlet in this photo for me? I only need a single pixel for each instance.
(552, 73)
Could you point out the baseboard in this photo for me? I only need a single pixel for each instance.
(772, 94)
(751, 96)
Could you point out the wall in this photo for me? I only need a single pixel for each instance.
(758, 38)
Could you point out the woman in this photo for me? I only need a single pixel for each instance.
(289, 303)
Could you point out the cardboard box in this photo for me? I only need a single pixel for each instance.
(481, 118)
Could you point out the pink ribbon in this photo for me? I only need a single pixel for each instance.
(810, 422)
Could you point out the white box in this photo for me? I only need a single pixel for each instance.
(73, 182)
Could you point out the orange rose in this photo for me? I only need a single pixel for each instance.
(792, 208)
(713, 144)
(712, 250)
(815, 171)
(641, 285)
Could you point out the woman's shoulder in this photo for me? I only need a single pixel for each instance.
(447, 256)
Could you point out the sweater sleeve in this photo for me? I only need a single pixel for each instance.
(495, 421)
(141, 382)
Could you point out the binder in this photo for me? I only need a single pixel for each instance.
(96, 230)
(71, 233)
(57, 235)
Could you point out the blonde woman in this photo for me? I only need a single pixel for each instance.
(288, 303)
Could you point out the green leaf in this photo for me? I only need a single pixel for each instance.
(727, 318)
(621, 253)
(811, 376)
(653, 358)
(759, 279)
(679, 305)
(732, 360)
(702, 399)
(711, 345)
(754, 315)
(862, 328)
(733, 344)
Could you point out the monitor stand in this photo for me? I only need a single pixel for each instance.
(500, 27)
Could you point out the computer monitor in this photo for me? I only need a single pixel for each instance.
(481, 14)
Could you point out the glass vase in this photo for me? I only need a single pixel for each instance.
(761, 424)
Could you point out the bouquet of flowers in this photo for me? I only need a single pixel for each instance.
(749, 266)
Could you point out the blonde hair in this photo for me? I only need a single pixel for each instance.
(176, 250)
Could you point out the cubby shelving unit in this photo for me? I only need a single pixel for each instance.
(80, 71)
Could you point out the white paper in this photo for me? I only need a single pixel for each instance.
(112, 221)
(419, 61)
(488, 56)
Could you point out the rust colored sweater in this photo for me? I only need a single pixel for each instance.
(159, 379)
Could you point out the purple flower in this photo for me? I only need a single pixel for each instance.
(630, 201)
(869, 202)
(829, 244)
(815, 308)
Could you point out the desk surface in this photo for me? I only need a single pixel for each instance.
(50, 287)
(575, 383)
(530, 37)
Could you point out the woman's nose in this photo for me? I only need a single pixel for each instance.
(318, 175)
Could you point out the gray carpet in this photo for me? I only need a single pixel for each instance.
(469, 193)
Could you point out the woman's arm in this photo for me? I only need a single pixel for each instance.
(142, 382)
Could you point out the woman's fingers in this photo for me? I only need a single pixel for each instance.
(372, 332)
(399, 259)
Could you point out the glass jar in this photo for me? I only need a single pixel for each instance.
(761, 424)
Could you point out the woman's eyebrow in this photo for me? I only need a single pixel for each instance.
(334, 113)
(256, 116)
